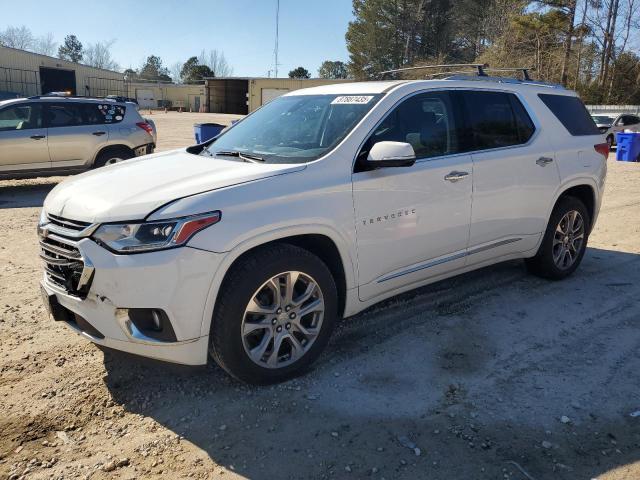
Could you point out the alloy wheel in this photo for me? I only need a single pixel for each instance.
(568, 239)
(283, 319)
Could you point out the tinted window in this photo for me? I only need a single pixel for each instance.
(104, 112)
(523, 120)
(21, 117)
(64, 115)
(572, 114)
(497, 119)
(426, 121)
(630, 120)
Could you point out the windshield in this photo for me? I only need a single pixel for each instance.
(602, 119)
(294, 129)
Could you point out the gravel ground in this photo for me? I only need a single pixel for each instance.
(494, 374)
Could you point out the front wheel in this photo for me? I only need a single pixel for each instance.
(275, 313)
(564, 242)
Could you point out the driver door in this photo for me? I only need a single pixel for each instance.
(412, 223)
(23, 138)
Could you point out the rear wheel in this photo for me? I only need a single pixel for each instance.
(275, 313)
(112, 156)
(564, 242)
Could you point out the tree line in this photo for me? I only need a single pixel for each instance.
(587, 45)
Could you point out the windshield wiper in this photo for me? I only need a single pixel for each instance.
(247, 157)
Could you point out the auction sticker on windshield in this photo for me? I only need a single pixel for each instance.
(352, 99)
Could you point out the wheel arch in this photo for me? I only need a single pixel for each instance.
(112, 147)
(322, 242)
(584, 192)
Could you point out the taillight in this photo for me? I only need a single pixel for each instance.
(602, 149)
(146, 127)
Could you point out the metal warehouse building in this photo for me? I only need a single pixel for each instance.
(27, 74)
(244, 95)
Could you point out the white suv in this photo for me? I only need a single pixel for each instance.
(316, 206)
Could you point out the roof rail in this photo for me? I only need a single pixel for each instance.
(478, 66)
(480, 75)
(505, 80)
(113, 98)
(523, 70)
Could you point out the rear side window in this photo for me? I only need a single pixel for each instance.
(64, 115)
(497, 119)
(106, 113)
(572, 114)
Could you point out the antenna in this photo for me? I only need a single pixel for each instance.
(277, 34)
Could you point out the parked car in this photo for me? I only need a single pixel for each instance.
(53, 135)
(318, 205)
(609, 125)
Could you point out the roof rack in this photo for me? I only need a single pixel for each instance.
(113, 98)
(523, 70)
(480, 75)
(478, 66)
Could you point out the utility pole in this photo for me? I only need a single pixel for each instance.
(277, 33)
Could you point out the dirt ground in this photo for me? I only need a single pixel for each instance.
(491, 375)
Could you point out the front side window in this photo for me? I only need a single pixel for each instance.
(426, 121)
(496, 119)
(294, 129)
(21, 117)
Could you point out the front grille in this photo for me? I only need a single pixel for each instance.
(66, 224)
(63, 263)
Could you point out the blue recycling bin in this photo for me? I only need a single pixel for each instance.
(206, 131)
(628, 147)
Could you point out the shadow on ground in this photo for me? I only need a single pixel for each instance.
(26, 194)
(468, 378)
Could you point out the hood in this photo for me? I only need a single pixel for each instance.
(132, 189)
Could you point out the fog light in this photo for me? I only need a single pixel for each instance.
(147, 324)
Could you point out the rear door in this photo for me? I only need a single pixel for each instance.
(23, 138)
(76, 132)
(514, 175)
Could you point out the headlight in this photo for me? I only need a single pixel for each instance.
(148, 236)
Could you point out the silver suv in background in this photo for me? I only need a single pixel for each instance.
(52, 135)
(612, 123)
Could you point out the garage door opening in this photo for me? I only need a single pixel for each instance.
(57, 80)
(228, 96)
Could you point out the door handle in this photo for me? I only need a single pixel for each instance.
(98, 134)
(455, 176)
(37, 137)
(543, 161)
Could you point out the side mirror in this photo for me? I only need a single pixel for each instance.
(391, 154)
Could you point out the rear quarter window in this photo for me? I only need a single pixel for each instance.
(105, 113)
(572, 114)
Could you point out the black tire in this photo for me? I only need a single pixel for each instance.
(121, 153)
(543, 264)
(243, 280)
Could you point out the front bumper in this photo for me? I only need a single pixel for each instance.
(177, 281)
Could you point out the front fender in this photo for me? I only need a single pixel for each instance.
(346, 255)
